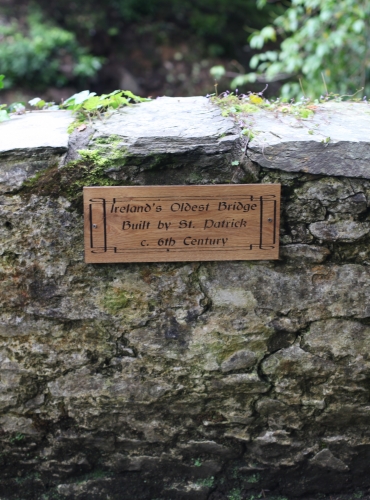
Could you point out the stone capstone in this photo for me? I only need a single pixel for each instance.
(31, 143)
(333, 142)
(185, 380)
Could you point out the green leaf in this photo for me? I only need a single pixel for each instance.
(4, 115)
(217, 72)
(34, 101)
(305, 113)
(92, 103)
(39, 103)
(79, 98)
(17, 107)
(324, 42)
(87, 105)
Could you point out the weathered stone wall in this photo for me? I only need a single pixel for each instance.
(204, 380)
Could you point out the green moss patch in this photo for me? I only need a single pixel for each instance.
(117, 299)
(89, 170)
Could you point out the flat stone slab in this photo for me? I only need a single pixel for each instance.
(175, 124)
(188, 141)
(30, 143)
(39, 129)
(172, 140)
(335, 141)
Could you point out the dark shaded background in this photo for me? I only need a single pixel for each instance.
(151, 47)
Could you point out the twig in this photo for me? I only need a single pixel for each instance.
(323, 79)
(301, 84)
(352, 95)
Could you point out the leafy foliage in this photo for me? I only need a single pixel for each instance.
(325, 42)
(43, 54)
(166, 46)
(218, 23)
(235, 494)
(208, 482)
(87, 105)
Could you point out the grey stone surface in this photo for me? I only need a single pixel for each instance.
(326, 459)
(301, 252)
(339, 231)
(186, 136)
(285, 143)
(189, 121)
(238, 360)
(30, 143)
(182, 380)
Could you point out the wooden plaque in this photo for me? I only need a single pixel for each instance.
(181, 223)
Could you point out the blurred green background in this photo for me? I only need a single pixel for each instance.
(54, 48)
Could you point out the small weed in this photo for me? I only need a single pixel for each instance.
(234, 472)
(17, 437)
(87, 106)
(197, 462)
(326, 141)
(235, 494)
(253, 479)
(240, 105)
(17, 108)
(248, 133)
(358, 494)
(209, 482)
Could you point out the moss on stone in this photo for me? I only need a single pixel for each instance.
(116, 299)
(88, 170)
(94, 163)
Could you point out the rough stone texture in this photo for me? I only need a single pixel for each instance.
(187, 134)
(293, 145)
(29, 144)
(182, 381)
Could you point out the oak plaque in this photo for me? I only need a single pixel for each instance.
(181, 223)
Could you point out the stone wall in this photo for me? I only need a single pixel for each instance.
(217, 380)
